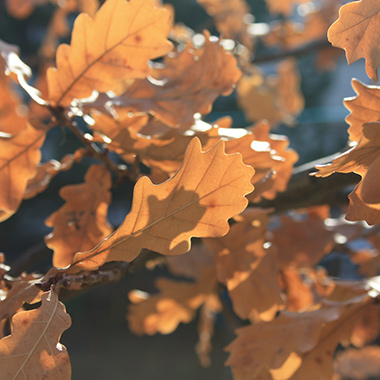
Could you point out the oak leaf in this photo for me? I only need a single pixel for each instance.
(206, 191)
(305, 241)
(364, 108)
(81, 222)
(19, 157)
(364, 160)
(294, 345)
(176, 302)
(358, 364)
(188, 83)
(357, 32)
(33, 349)
(115, 45)
(246, 264)
(229, 16)
(283, 6)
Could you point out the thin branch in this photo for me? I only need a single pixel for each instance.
(297, 52)
(305, 190)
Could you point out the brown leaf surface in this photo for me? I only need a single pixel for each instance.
(247, 266)
(229, 17)
(176, 302)
(356, 31)
(364, 108)
(273, 98)
(115, 45)
(189, 82)
(33, 349)
(81, 223)
(305, 241)
(207, 190)
(283, 6)
(359, 364)
(22, 291)
(294, 345)
(19, 157)
(364, 160)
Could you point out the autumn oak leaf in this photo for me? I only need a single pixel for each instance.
(81, 223)
(19, 157)
(115, 45)
(33, 350)
(357, 32)
(198, 200)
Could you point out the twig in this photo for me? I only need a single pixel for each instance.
(297, 52)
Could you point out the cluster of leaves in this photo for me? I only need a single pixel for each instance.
(201, 175)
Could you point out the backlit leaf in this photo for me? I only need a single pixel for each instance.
(81, 222)
(116, 44)
(357, 32)
(207, 190)
(19, 157)
(33, 350)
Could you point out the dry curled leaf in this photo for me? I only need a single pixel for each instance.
(19, 157)
(115, 45)
(206, 191)
(33, 349)
(357, 32)
(246, 264)
(363, 159)
(81, 222)
(294, 345)
(229, 16)
(186, 84)
(176, 302)
(364, 108)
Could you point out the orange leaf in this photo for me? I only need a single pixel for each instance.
(364, 108)
(294, 345)
(33, 349)
(283, 6)
(19, 157)
(248, 268)
(116, 44)
(357, 32)
(81, 222)
(206, 191)
(188, 83)
(176, 302)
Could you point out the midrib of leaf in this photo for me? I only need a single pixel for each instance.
(123, 240)
(38, 340)
(22, 151)
(78, 78)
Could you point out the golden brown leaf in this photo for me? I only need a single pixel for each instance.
(364, 108)
(33, 349)
(356, 31)
(294, 345)
(187, 83)
(367, 328)
(305, 241)
(247, 266)
(364, 160)
(176, 302)
(81, 222)
(207, 190)
(357, 364)
(19, 157)
(273, 98)
(229, 18)
(115, 45)
(283, 6)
